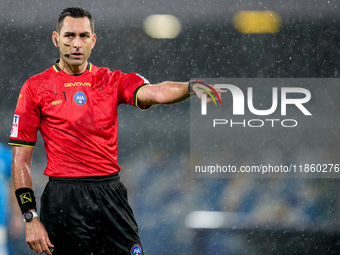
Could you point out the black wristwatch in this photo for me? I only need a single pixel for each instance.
(29, 216)
(191, 84)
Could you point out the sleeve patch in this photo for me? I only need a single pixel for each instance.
(15, 126)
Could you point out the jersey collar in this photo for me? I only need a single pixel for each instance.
(57, 68)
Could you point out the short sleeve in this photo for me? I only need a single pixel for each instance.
(129, 86)
(26, 119)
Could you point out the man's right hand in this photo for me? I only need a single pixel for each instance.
(37, 237)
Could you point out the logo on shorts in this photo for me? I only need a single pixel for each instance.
(136, 250)
(80, 98)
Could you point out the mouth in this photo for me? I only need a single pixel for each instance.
(77, 55)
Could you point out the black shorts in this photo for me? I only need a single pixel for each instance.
(89, 215)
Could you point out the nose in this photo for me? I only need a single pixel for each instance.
(77, 42)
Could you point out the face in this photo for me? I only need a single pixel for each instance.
(76, 39)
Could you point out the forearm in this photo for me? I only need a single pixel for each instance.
(36, 235)
(22, 179)
(21, 167)
(164, 93)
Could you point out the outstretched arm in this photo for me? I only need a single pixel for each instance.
(164, 93)
(36, 235)
(173, 92)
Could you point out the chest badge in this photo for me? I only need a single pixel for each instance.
(80, 98)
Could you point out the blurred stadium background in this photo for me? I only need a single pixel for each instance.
(207, 40)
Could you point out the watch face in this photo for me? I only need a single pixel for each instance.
(28, 216)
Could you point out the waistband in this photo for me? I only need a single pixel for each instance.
(95, 179)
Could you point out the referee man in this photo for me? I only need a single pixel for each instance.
(84, 207)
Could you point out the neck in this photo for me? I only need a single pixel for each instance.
(72, 69)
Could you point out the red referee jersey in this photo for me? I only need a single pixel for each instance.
(77, 118)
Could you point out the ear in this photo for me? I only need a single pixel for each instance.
(55, 37)
(94, 39)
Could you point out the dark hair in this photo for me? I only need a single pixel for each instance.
(74, 12)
